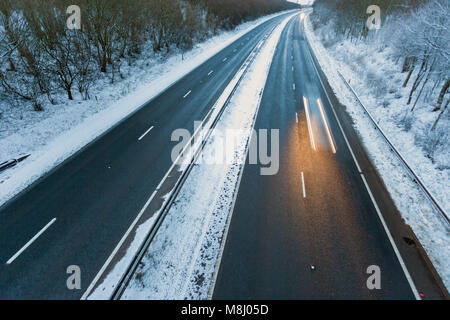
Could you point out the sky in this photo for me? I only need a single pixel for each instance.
(303, 2)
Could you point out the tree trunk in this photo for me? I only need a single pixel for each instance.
(439, 116)
(405, 65)
(420, 93)
(408, 77)
(69, 93)
(430, 70)
(408, 64)
(12, 66)
(103, 67)
(417, 81)
(442, 93)
(37, 106)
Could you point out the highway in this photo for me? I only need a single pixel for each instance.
(78, 213)
(309, 232)
(313, 230)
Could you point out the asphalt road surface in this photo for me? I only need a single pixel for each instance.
(77, 213)
(312, 230)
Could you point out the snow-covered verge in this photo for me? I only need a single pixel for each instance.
(181, 260)
(354, 61)
(61, 130)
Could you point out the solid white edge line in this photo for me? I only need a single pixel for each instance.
(144, 208)
(394, 246)
(141, 212)
(18, 253)
(146, 132)
(303, 185)
(230, 216)
(188, 93)
(386, 229)
(182, 154)
(116, 249)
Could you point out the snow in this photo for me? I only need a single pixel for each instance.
(62, 129)
(355, 61)
(182, 258)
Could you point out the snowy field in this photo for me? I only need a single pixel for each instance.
(389, 109)
(61, 130)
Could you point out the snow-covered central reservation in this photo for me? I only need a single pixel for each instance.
(181, 260)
